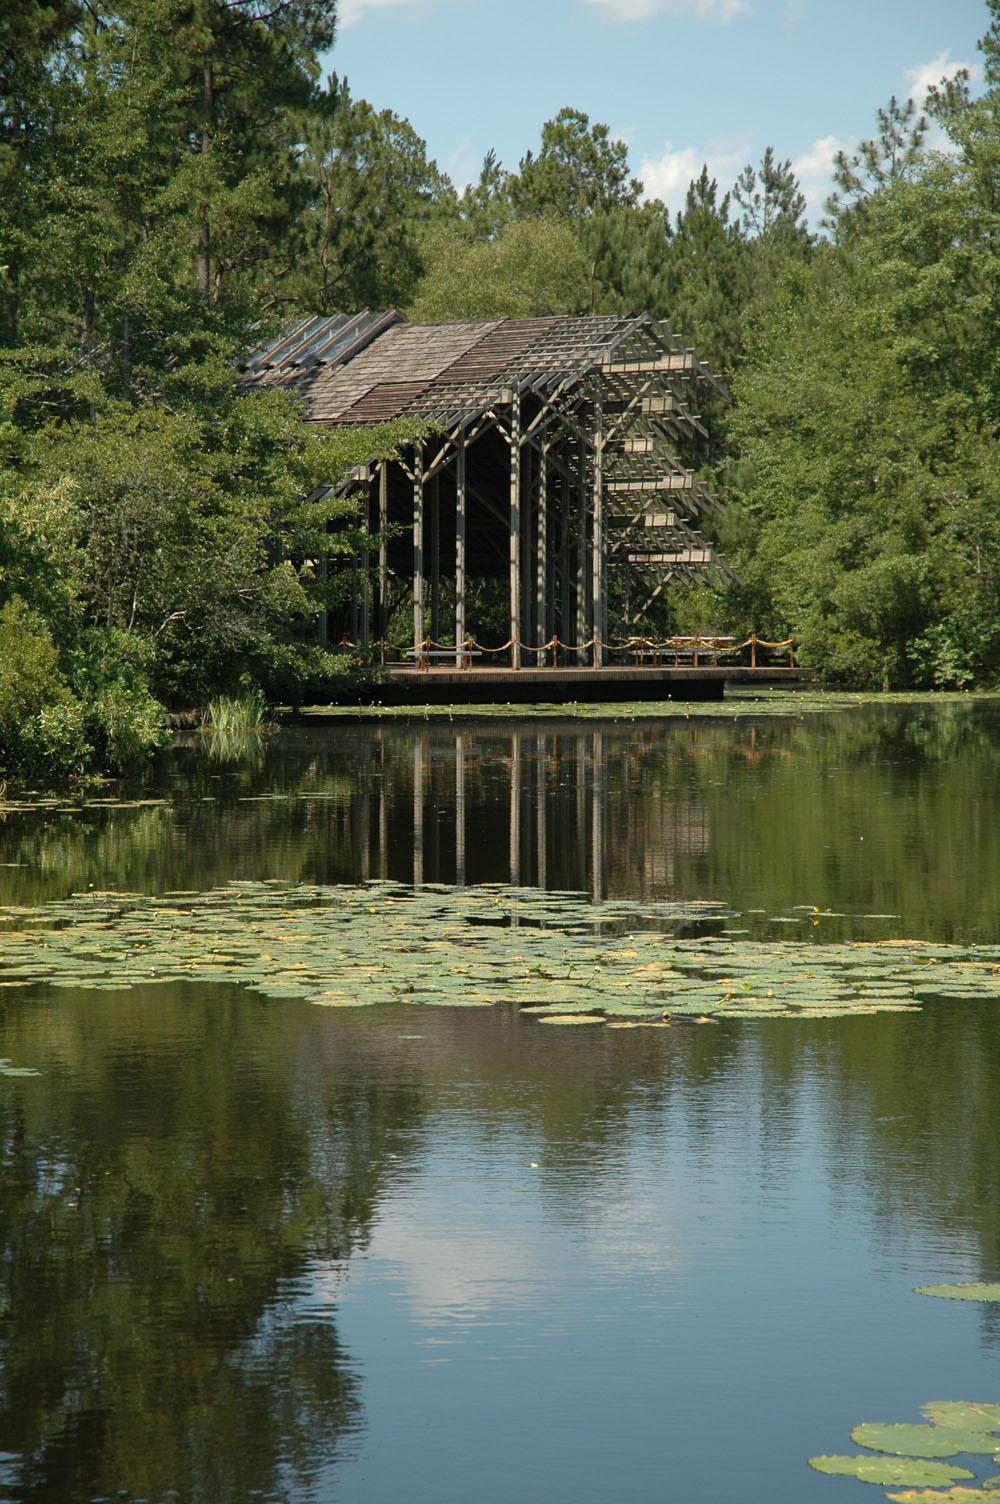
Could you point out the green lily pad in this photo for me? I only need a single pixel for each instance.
(921, 1441)
(948, 1496)
(912, 1472)
(963, 1414)
(966, 1290)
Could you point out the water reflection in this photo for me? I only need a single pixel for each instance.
(252, 1250)
(265, 1251)
(880, 811)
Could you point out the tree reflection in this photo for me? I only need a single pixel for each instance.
(168, 1182)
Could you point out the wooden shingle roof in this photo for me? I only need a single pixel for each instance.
(371, 368)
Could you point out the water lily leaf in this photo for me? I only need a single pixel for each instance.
(921, 1441)
(965, 1290)
(913, 1472)
(963, 1414)
(572, 1018)
(948, 1496)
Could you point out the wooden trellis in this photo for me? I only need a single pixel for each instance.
(558, 465)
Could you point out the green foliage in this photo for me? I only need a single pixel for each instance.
(368, 190)
(229, 713)
(42, 724)
(532, 267)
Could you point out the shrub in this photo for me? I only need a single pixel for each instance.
(42, 724)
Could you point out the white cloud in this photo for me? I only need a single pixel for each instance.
(350, 12)
(700, 10)
(814, 170)
(925, 75)
(667, 176)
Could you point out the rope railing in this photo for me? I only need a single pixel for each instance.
(639, 647)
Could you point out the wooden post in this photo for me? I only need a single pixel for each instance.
(460, 552)
(418, 554)
(565, 583)
(515, 530)
(542, 555)
(366, 583)
(582, 614)
(383, 550)
(435, 529)
(599, 604)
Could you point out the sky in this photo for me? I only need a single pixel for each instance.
(682, 82)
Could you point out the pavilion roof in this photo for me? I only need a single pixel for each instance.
(374, 367)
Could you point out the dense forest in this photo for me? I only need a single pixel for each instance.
(176, 179)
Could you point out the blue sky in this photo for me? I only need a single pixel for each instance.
(682, 81)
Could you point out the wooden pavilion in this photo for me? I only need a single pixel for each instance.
(553, 495)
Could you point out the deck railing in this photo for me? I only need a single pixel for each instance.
(638, 652)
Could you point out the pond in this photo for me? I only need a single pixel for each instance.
(428, 1249)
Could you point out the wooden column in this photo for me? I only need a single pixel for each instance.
(597, 559)
(460, 549)
(582, 613)
(383, 549)
(435, 541)
(542, 553)
(418, 551)
(366, 582)
(565, 582)
(515, 530)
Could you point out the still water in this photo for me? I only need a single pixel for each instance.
(258, 1250)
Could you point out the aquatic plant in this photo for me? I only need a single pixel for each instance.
(956, 1427)
(965, 1290)
(914, 1471)
(229, 715)
(555, 955)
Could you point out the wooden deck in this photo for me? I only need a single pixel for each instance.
(469, 686)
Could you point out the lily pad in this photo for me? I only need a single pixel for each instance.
(948, 1496)
(964, 1414)
(966, 1290)
(912, 1472)
(921, 1441)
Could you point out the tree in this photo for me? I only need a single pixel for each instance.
(771, 200)
(886, 158)
(532, 267)
(579, 171)
(367, 188)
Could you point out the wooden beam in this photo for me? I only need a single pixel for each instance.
(680, 480)
(676, 362)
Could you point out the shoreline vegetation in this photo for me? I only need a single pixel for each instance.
(168, 537)
(233, 731)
